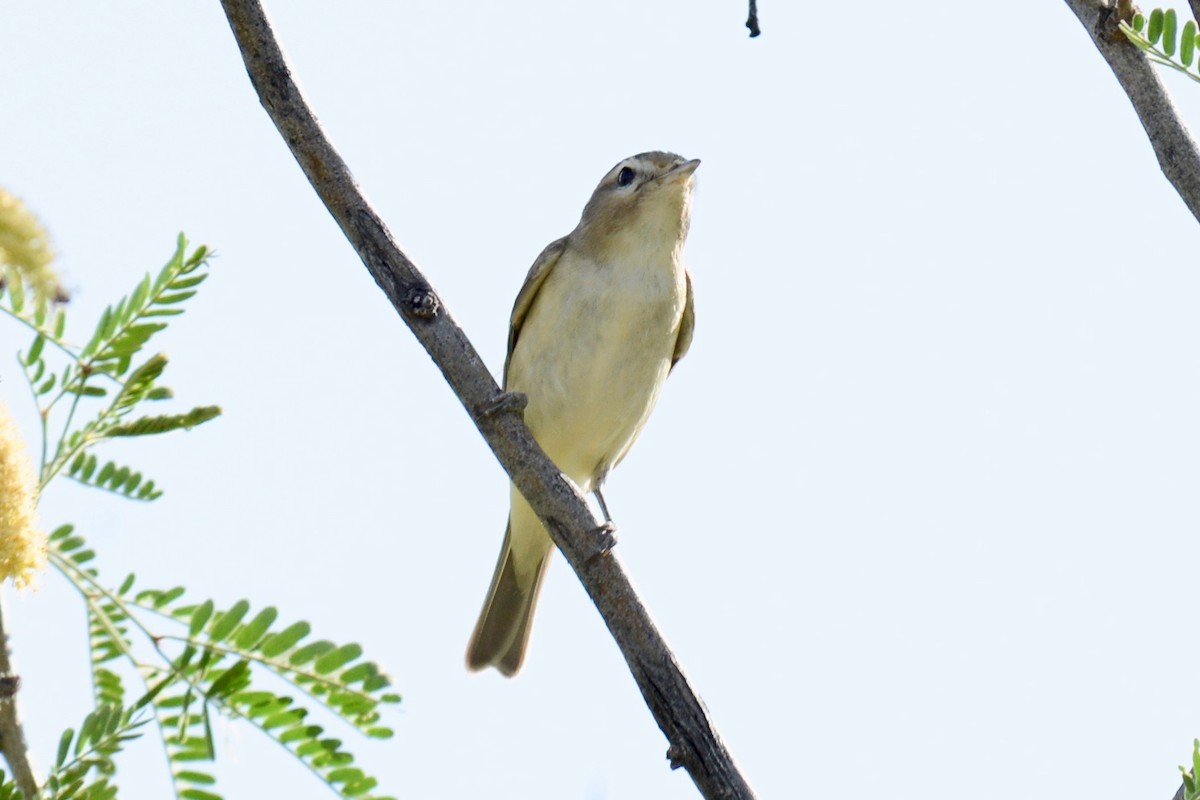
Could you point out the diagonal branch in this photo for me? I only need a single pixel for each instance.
(1177, 153)
(694, 742)
(12, 736)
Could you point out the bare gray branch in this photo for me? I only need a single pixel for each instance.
(1173, 144)
(694, 742)
(12, 737)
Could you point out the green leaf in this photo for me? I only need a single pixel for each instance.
(1169, 32)
(168, 597)
(35, 349)
(64, 747)
(256, 628)
(193, 793)
(310, 651)
(231, 680)
(16, 291)
(1187, 44)
(118, 478)
(345, 774)
(337, 658)
(145, 426)
(140, 293)
(277, 643)
(88, 391)
(188, 283)
(1139, 22)
(228, 620)
(1154, 33)
(195, 777)
(200, 617)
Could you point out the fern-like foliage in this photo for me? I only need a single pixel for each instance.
(1191, 786)
(184, 661)
(107, 368)
(84, 768)
(229, 661)
(110, 477)
(1164, 42)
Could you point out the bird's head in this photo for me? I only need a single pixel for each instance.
(645, 201)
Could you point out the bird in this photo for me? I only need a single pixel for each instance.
(604, 315)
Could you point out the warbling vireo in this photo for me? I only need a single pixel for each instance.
(603, 316)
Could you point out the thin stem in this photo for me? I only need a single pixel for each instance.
(12, 736)
(283, 669)
(43, 414)
(49, 334)
(52, 469)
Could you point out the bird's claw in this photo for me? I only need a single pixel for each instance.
(606, 539)
(504, 403)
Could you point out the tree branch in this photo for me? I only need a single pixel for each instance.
(12, 737)
(1177, 152)
(694, 742)
(752, 20)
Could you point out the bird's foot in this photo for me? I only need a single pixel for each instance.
(503, 403)
(605, 541)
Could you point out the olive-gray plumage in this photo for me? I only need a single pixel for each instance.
(603, 316)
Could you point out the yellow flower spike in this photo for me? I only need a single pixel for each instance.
(25, 248)
(22, 542)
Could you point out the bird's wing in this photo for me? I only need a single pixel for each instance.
(541, 268)
(687, 325)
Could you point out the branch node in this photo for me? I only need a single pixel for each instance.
(675, 756)
(9, 684)
(422, 303)
(503, 403)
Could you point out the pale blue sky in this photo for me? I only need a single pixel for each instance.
(918, 511)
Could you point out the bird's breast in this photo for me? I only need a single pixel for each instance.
(592, 356)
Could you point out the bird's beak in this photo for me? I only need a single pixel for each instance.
(682, 171)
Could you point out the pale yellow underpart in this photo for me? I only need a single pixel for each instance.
(592, 378)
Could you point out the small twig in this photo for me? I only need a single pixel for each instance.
(1195, 4)
(695, 744)
(752, 20)
(1177, 152)
(12, 737)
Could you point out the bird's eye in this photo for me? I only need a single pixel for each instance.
(625, 176)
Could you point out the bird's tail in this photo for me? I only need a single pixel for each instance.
(502, 632)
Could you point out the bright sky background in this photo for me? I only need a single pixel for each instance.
(918, 512)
